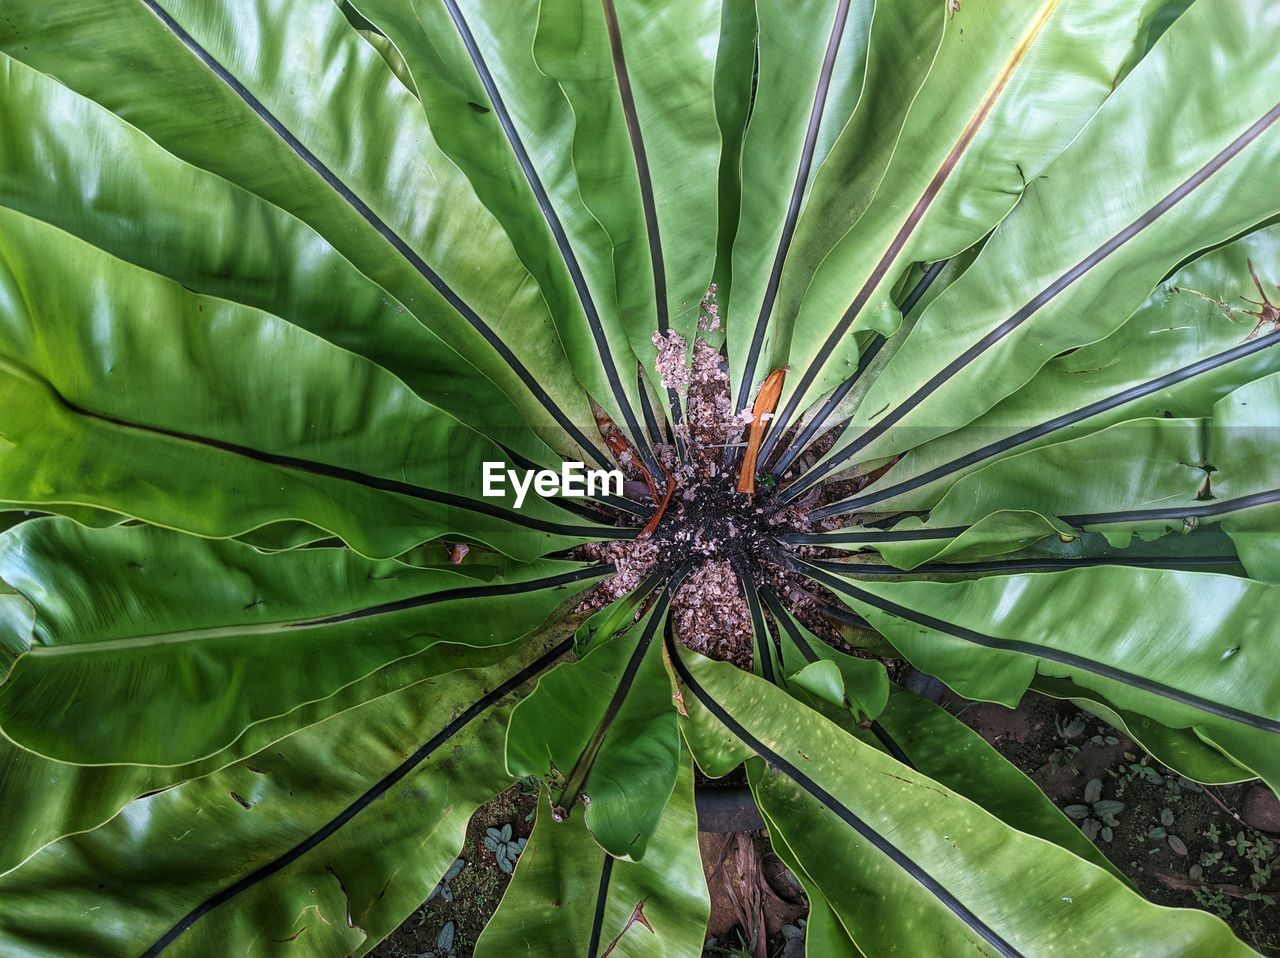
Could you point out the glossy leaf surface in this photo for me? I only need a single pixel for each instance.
(279, 277)
(567, 890)
(952, 878)
(202, 632)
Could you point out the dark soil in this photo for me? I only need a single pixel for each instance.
(474, 894)
(1180, 843)
(711, 519)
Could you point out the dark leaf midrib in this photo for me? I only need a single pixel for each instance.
(597, 913)
(1045, 564)
(496, 590)
(1202, 510)
(847, 815)
(781, 616)
(1049, 653)
(368, 215)
(554, 224)
(1045, 296)
(1207, 510)
(282, 861)
(343, 474)
(758, 627)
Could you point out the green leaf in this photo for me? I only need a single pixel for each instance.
(965, 879)
(1092, 237)
(1007, 504)
(735, 75)
(1241, 450)
(1192, 653)
(187, 642)
(277, 277)
(334, 812)
(570, 897)
(1006, 91)
(96, 419)
(823, 679)
(639, 80)
(507, 127)
(47, 800)
(936, 744)
(603, 731)
(861, 683)
(809, 67)
(278, 126)
(1184, 348)
(240, 247)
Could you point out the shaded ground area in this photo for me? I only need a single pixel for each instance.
(465, 901)
(1182, 844)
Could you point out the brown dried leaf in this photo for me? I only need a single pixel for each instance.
(766, 402)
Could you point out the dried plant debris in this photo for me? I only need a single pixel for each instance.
(712, 424)
(711, 616)
(720, 532)
(723, 533)
(633, 560)
(709, 311)
(671, 362)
